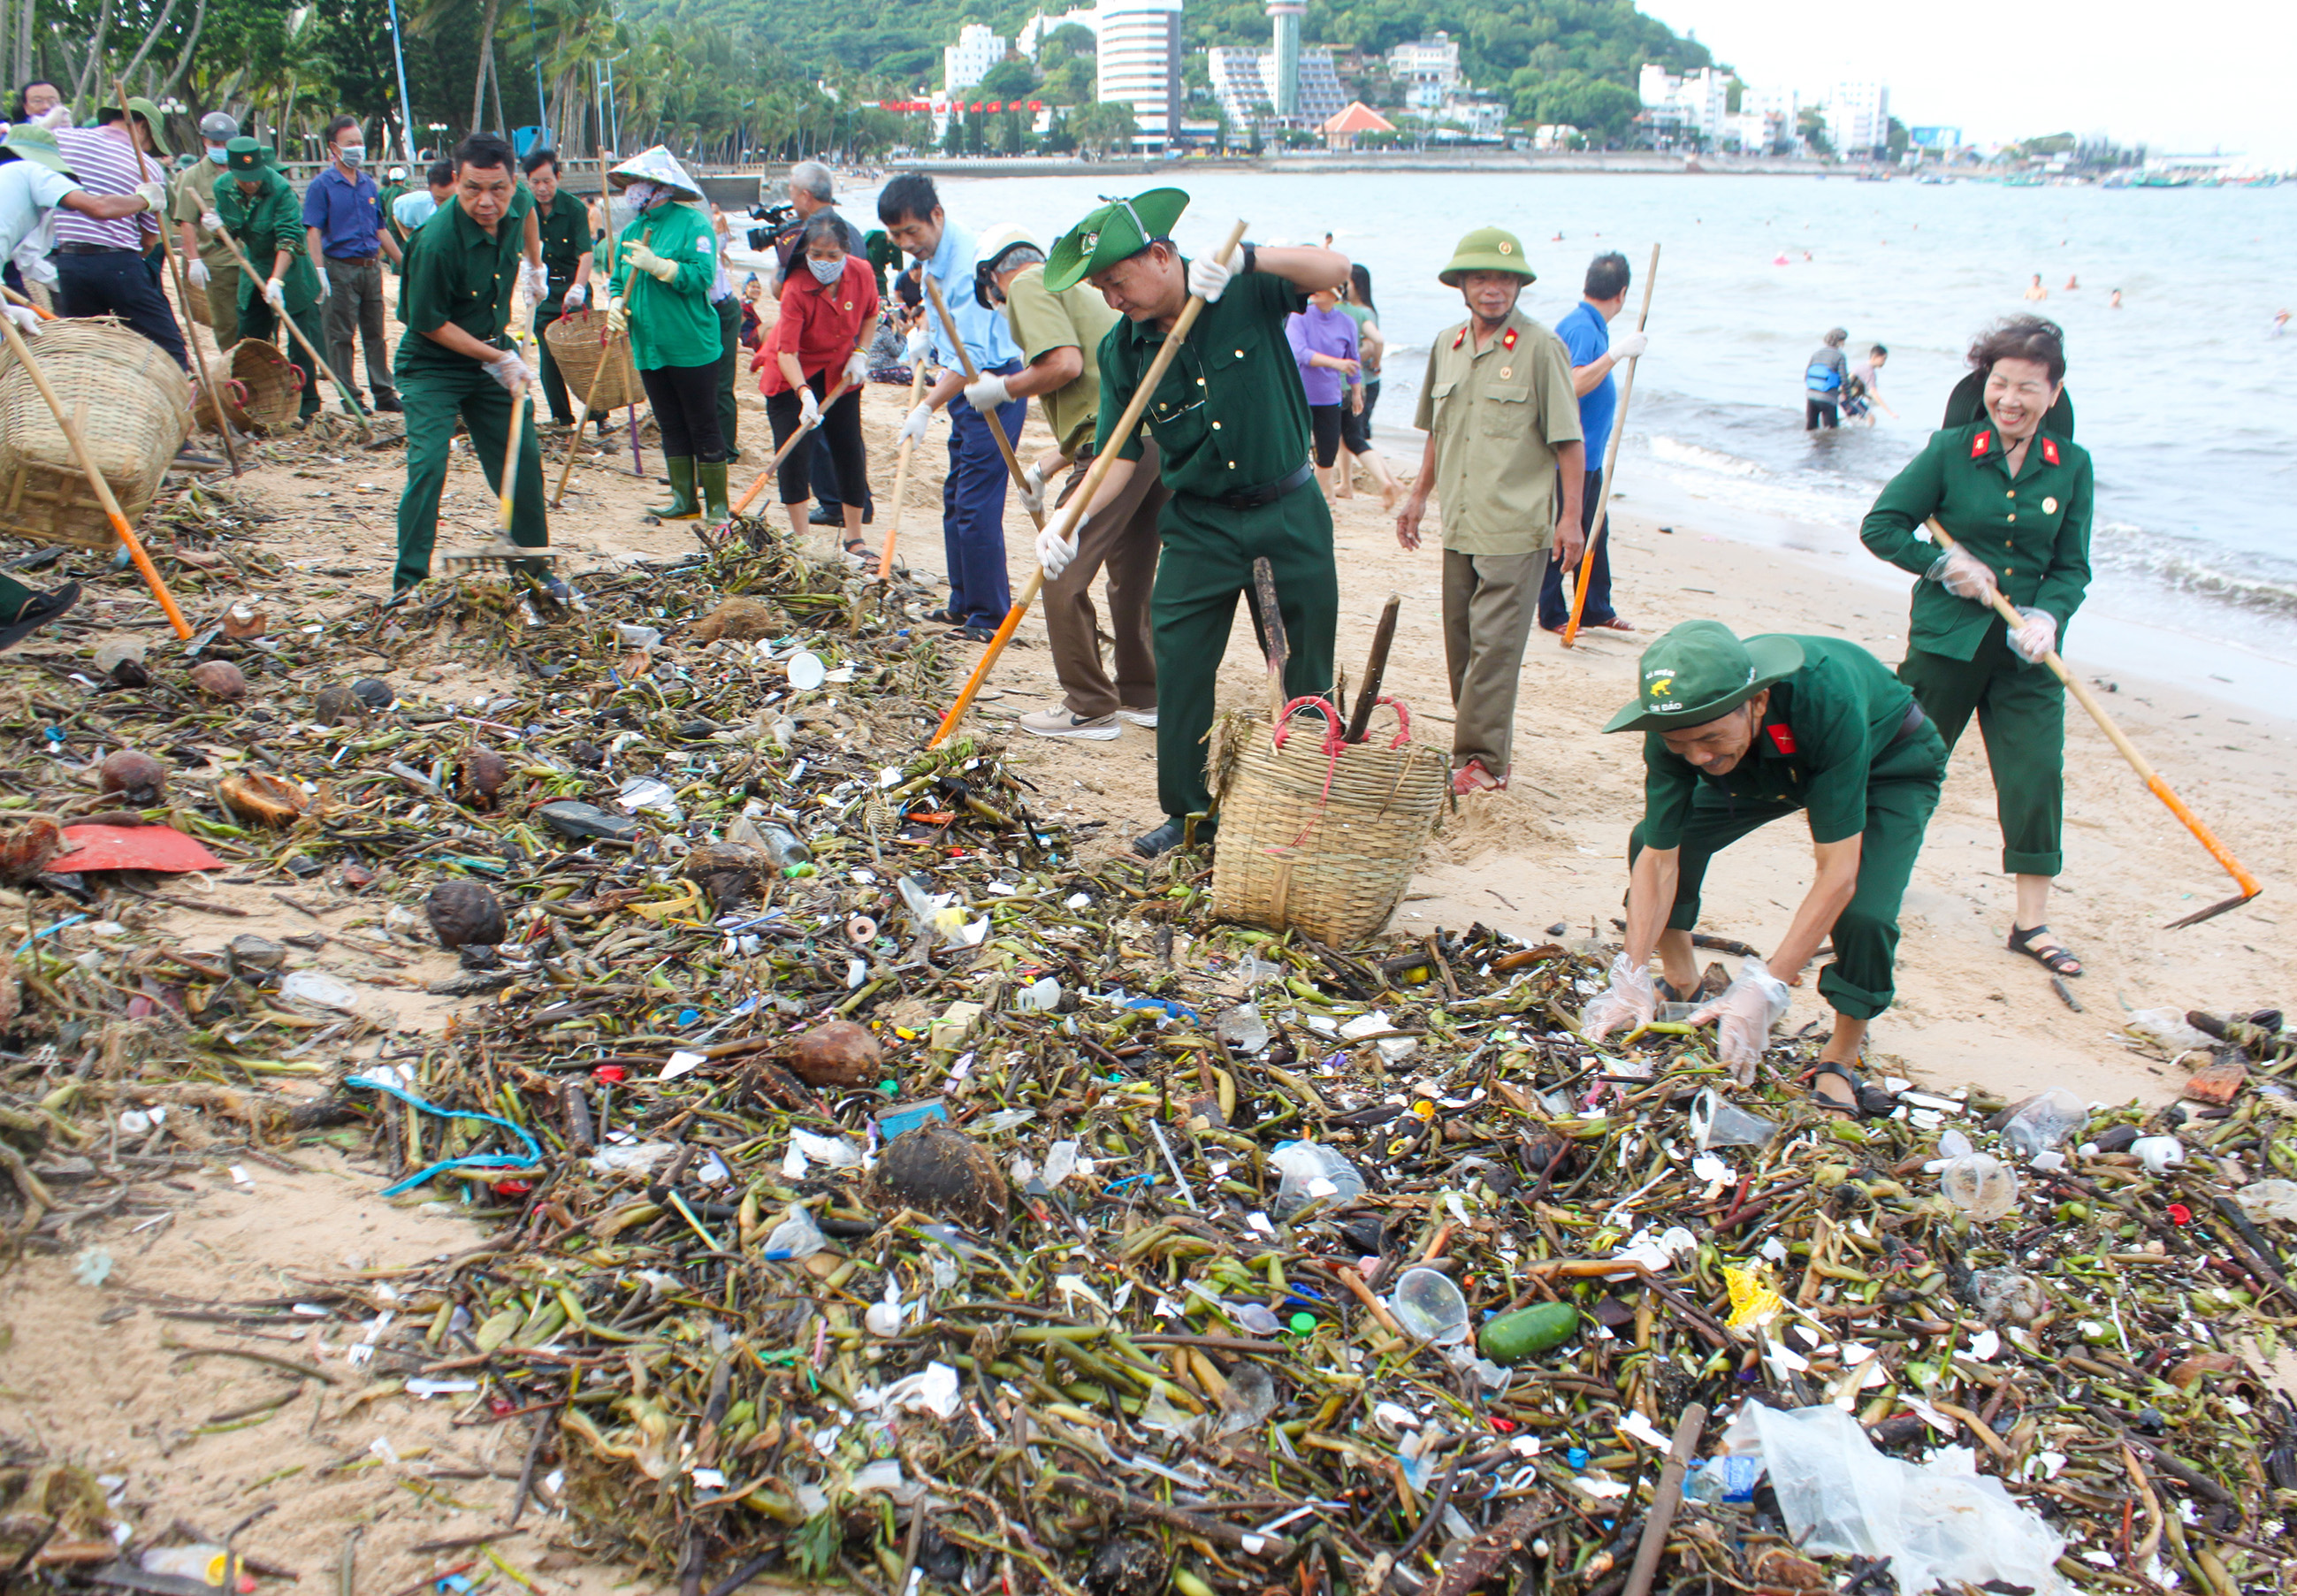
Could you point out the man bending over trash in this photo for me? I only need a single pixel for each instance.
(1736, 735)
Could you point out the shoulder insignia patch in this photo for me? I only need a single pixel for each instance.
(1460, 338)
(1980, 444)
(1507, 342)
(1782, 739)
(2050, 450)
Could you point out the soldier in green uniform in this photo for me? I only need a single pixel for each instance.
(664, 264)
(394, 185)
(2015, 494)
(564, 222)
(257, 207)
(1740, 734)
(208, 257)
(1231, 424)
(455, 302)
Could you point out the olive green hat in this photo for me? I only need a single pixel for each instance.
(1119, 231)
(244, 154)
(1488, 249)
(38, 146)
(146, 113)
(1700, 671)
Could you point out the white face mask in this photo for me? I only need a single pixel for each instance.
(352, 154)
(826, 272)
(640, 193)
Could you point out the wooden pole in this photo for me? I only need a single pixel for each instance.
(902, 479)
(1610, 465)
(574, 443)
(318, 361)
(182, 288)
(1080, 502)
(2249, 886)
(1665, 1502)
(781, 454)
(965, 361)
(1383, 639)
(521, 403)
(126, 534)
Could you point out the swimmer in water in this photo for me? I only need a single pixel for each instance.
(2072, 285)
(2115, 302)
(2034, 290)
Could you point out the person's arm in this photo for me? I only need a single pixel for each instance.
(448, 335)
(1112, 487)
(1908, 500)
(786, 361)
(2066, 580)
(946, 387)
(388, 245)
(531, 231)
(1307, 270)
(113, 208)
(1571, 537)
(1837, 878)
(1049, 372)
(1650, 901)
(1415, 503)
(1585, 378)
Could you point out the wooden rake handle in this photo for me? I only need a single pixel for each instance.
(1596, 527)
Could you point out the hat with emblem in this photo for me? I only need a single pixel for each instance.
(1700, 671)
(244, 154)
(1119, 231)
(1488, 249)
(38, 146)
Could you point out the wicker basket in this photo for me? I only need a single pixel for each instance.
(132, 408)
(265, 389)
(202, 311)
(579, 343)
(1316, 834)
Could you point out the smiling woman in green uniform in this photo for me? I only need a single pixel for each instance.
(2015, 496)
(664, 265)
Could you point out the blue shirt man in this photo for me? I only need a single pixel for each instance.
(1586, 331)
(342, 222)
(346, 212)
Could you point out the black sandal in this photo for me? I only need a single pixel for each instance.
(859, 547)
(38, 611)
(1867, 1102)
(2059, 960)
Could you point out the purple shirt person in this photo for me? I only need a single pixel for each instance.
(1324, 329)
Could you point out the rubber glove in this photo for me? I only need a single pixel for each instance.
(536, 281)
(275, 293)
(1626, 346)
(809, 409)
(617, 319)
(2035, 636)
(917, 346)
(1054, 552)
(1744, 1015)
(1207, 277)
(327, 289)
(1965, 575)
(857, 370)
(155, 196)
(987, 392)
(211, 221)
(577, 296)
(1631, 1001)
(1033, 490)
(653, 264)
(196, 270)
(510, 371)
(27, 320)
(913, 429)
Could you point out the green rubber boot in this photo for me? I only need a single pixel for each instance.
(681, 506)
(711, 475)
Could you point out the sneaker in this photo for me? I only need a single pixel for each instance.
(822, 515)
(1139, 717)
(1059, 722)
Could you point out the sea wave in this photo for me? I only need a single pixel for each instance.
(1676, 452)
(2187, 567)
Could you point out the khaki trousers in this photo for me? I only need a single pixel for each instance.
(1121, 539)
(1489, 604)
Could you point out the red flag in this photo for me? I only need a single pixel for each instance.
(995, 106)
(977, 107)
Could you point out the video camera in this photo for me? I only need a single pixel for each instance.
(779, 219)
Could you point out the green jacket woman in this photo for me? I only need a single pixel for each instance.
(2015, 496)
(258, 210)
(664, 264)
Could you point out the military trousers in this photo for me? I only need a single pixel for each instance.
(434, 396)
(730, 362)
(2022, 715)
(1902, 789)
(1205, 566)
(1489, 601)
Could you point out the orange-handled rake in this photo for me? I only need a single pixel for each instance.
(1596, 527)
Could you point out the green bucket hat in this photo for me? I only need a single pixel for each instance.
(37, 145)
(1700, 671)
(1488, 249)
(244, 154)
(144, 112)
(1119, 231)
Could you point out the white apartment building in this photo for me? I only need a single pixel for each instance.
(1692, 104)
(1428, 70)
(1244, 81)
(968, 62)
(1858, 118)
(1140, 63)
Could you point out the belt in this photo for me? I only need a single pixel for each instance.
(94, 249)
(349, 259)
(1267, 493)
(1913, 722)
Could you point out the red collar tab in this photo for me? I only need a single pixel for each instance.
(1980, 444)
(1508, 343)
(1782, 739)
(2050, 450)
(1460, 338)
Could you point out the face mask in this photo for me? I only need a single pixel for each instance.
(217, 153)
(826, 272)
(352, 154)
(641, 194)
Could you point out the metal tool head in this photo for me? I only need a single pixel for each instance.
(2212, 911)
(502, 556)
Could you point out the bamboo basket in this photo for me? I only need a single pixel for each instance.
(1319, 834)
(580, 344)
(132, 407)
(202, 310)
(266, 391)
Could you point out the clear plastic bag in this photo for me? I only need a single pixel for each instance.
(1980, 1185)
(2045, 1121)
(1312, 1173)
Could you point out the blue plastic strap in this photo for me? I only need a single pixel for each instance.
(505, 1162)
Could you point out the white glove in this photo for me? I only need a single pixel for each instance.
(809, 409)
(1054, 552)
(275, 293)
(653, 264)
(197, 271)
(2037, 634)
(857, 370)
(155, 195)
(1626, 346)
(510, 371)
(1206, 278)
(577, 296)
(27, 320)
(1965, 575)
(536, 281)
(1032, 491)
(617, 318)
(918, 345)
(986, 393)
(327, 289)
(913, 429)
(1630, 1001)
(1744, 1014)
(211, 221)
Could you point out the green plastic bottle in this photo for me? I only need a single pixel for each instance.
(1512, 1337)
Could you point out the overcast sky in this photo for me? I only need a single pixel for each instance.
(2215, 77)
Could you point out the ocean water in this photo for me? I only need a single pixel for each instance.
(2185, 400)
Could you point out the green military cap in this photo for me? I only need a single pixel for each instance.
(244, 154)
(1119, 231)
(1700, 671)
(1488, 249)
(37, 145)
(146, 113)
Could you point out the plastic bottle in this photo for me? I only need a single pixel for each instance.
(786, 849)
(1512, 1337)
(2158, 1152)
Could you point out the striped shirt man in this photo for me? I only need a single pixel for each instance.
(106, 164)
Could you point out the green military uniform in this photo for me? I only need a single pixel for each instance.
(265, 223)
(195, 195)
(456, 273)
(565, 239)
(1231, 423)
(2032, 531)
(1841, 740)
(389, 196)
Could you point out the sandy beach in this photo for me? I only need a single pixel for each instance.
(105, 1376)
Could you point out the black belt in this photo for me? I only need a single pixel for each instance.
(350, 260)
(1267, 493)
(1913, 722)
(94, 249)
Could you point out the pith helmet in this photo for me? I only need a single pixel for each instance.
(1488, 249)
(1117, 230)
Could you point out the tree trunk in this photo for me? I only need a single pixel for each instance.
(486, 63)
(502, 123)
(95, 53)
(191, 43)
(150, 39)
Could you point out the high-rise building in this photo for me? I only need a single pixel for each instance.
(1675, 106)
(1140, 63)
(968, 62)
(1244, 82)
(1286, 17)
(1858, 118)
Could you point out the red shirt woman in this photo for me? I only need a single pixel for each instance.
(828, 315)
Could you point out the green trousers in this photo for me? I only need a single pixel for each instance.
(729, 364)
(14, 596)
(433, 397)
(2021, 714)
(257, 320)
(1902, 789)
(1205, 566)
